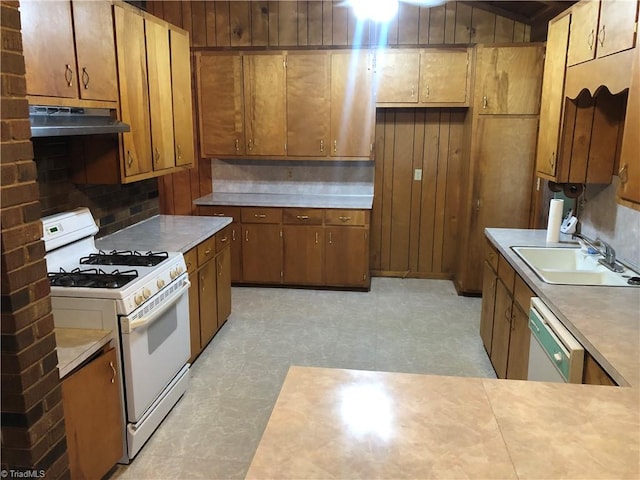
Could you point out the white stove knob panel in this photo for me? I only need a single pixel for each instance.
(138, 299)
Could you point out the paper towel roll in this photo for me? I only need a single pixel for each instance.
(555, 219)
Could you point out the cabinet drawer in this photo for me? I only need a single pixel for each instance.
(191, 259)
(223, 238)
(522, 293)
(344, 217)
(206, 250)
(506, 273)
(220, 211)
(491, 255)
(303, 216)
(261, 215)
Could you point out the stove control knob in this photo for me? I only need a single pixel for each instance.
(138, 299)
(146, 293)
(160, 283)
(173, 274)
(180, 269)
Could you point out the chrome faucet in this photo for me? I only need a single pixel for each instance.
(604, 249)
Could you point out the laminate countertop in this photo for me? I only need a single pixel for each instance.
(360, 202)
(76, 345)
(166, 233)
(333, 423)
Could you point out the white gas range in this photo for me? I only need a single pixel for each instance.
(142, 297)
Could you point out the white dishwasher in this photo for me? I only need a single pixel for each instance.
(554, 354)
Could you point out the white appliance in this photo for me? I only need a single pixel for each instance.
(554, 354)
(142, 297)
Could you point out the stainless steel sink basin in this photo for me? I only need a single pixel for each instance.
(571, 266)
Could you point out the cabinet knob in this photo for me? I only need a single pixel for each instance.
(322, 145)
(207, 251)
(157, 155)
(224, 239)
(344, 218)
(259, 215)
(237, 145)
(250, 144)
(335, 145)
(302, 217)
(623, 173)
(179, 151)
(485, 102)
(68, 75)
(85, 78)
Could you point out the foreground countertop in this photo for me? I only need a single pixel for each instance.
(287, 200)
(167, 233)
(605, 320)
(76, 345)
(332, 423)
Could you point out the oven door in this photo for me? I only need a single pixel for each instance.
(155, 346)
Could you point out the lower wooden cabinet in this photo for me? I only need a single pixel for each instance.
(304, 248)
(593, 373)
(209, 268)
(347, 256)
(261, 253)
(93, 417)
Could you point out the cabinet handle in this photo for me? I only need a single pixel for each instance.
(224, 239)
(202, 282)
(507, 316)
(322, 145)
(335, 145)
(207, 251)
(623, 173)
(68, 75)
(237, 145)
(129, 158)
(590, 40)
(552, 159)
(317, 237)
(250, 144)
(218, 214)
(478, 205)
(246, 235)
(219, 268)
(179, 150)
(601, 38)
(302, 217)
(233, 235)
(157, 155)
(330, 238)
(85, 78)
(259, 215)
(485, 102)
(344, 219)
(113, 372)
(188, 265)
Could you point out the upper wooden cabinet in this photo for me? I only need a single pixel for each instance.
(308, 90)
(397, 76)
(444, 77)
(601, 28)
(181, 94)
(69, 49)
(503, 74)
(629, 172)
(352, 104)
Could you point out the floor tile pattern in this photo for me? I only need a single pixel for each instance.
(401, 325)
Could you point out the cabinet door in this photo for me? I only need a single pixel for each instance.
(160, 98)
(584, 24)
(352, 105)
(49, 55)
(95, 50)
(264, 108)
(303, 255)
(223, 284)
(501, 330)
(444, 76)
(220, 106)
(617, 26)
(510, 80)
(346, 256)
(134, 93)
(488, 304)
(629, 164)
(194, 316)
(518, 363)
(397, 76)
(552, 96)
(181, 95)
(207, 278)
(261, 253)
(308, 78)
(93, 417)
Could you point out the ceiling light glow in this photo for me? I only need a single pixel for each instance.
(380, 11)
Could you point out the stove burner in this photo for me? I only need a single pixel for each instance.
(91, 278)
(129, 258)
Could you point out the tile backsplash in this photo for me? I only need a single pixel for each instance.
(113, 206)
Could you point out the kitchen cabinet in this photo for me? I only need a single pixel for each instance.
(352, 105)
(181, 97)
(235, 232)
(347, 256)
(307, 91)
(509, 79)
(264, 104)
(207, 289)
(552, 97)
(304, 246)
(629, 172)
(593, 373)
(445, 77)
(93, 417)
(489, 282)
(220, 104)
(261, 245)
(69, 50)
(397, 76)
(601, 28)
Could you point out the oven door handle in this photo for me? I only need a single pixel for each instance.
(129, 326)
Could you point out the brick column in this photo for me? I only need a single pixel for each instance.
(33, 435)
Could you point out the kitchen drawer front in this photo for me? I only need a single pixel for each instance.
(344, 217)
(206, 250)
(261, 215)
(303, 216)
(506, 273)
(223, 238)
(491, 255)
(220, 211)
(191, 259)
(522, 294)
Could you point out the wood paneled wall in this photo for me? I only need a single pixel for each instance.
(414, 222)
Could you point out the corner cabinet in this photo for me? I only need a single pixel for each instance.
(629, 172)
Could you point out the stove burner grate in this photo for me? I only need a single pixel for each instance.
(91, 278)
(130, 258)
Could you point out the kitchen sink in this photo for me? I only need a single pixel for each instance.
(571, 266)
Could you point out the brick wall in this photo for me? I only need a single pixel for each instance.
(113, 206)
(33, 436)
